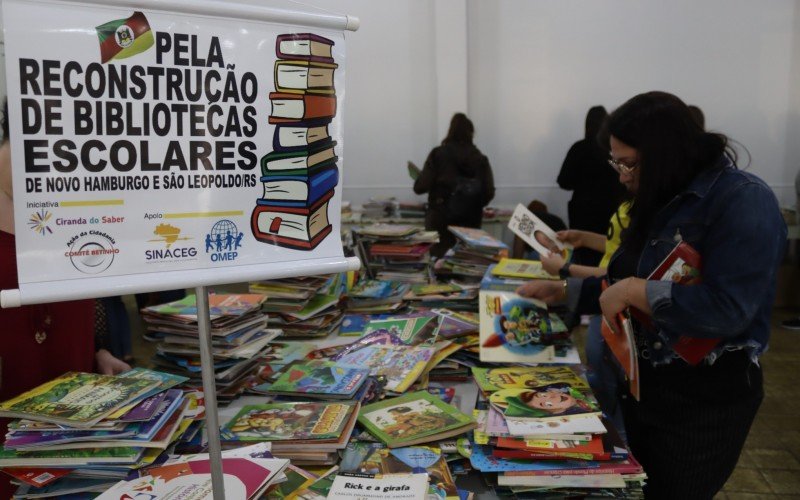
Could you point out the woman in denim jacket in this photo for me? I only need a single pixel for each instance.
(691, 423)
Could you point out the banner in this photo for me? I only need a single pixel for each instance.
(152, 149)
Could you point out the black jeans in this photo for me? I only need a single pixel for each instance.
(691, 424)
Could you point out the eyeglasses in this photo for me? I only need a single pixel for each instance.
(621, 168)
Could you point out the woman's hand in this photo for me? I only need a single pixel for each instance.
(552, 263)
(630, 292)
(107, 364)
(572, 236)
(551, 292)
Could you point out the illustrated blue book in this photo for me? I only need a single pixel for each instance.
(320, 379)
(300, 190)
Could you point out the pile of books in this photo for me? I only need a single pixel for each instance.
(474, 251)
(509, 274)
(540, 429)
(82, 432)
(376, 296)
(239, 337)
(304, 307)
(395, 252)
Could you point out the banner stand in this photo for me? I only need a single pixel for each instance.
(209, 392)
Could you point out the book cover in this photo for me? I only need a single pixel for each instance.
(242, 477)
(521, 268)
(220, 304)
(298, 160)
(683, 266)
(301, 136)
(413, 459)
(320, 378)
(549, 401)
(293, 108)
(533, 231)
(289, 422)
(304, 46)
(519, 377)
(414, 418)
(483, 460)
(300, 228)
(303, 188)
(451, 326)
(517, 329)
(298, 77)
(435, 288)
(76, 399)
(622, 345)
(49, 458)
(401, 365)
(478, 238)
(410, 329)
(491, 282)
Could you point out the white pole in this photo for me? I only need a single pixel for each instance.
(209, 392)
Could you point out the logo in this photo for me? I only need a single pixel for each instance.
(39, 222)
(123, 38)
(223, 241)
(169, 235)
(91, 252)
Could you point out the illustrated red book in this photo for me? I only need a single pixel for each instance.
(682, 266)
(291, 108)
(623, 346)
(301, 228)
(304, 46)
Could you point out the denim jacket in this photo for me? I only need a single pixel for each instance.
(733, 220)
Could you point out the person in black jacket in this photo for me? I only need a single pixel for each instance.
(596, 193)
(459, 183)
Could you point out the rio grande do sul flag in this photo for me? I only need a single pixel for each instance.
(123, 38)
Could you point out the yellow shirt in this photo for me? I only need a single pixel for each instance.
(618, 222)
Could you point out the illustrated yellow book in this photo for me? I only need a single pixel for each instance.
(520, 268)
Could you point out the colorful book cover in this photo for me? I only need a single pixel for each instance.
(478, 238)
(520, 268)
(389, 487)
(517, 329)
(549, 401)
(491, 282)
(289, 422)
(76, 399)
(307, 188)
(295, 478)
(220, 304)
(414, 459)
(451, 326)
(373, 289)
(410, 329)
(413, 418)
(321, 378)
(483, 460)
(533, 231)
(242, 477)
(401, 365)
(519, 377)
(299, 227)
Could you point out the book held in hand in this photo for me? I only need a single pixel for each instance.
(536, 233)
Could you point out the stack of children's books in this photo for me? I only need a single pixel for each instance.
(239, 336)
(474, 251)
(372, 296)
(540, 429)
(82, 432)
(395, 251)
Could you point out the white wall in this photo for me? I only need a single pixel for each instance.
(527, 71)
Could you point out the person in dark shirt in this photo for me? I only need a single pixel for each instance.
(596, 194)
(459, 183)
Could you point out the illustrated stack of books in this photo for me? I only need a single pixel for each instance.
(82, 432)
(300, 174)
(542, 428)
(474, 251)
(239, 336)
(397, 252)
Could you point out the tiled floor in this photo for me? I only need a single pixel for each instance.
(769, 467)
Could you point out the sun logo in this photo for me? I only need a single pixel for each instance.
(38, 222)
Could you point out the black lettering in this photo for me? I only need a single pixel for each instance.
(114, 122)
(51, 72)
(224, 152)
(250, 124)
(138, 87)
(174, 157)
(179, 110)
(232, 125)
(212, 95)
(86, 156)
(181, 48)
(247, 153)
(156, 73)
(163, 45)
(231, 90)
(215, 53)
(28, 73)
(64, 149)
(52, 116)
(216, 130)
(130, 128)
(196, 61)
(161, 119)
(73, 90)
(147, 165)
(31, 155)
(199, 151)
(95, 80)
(83, 117)
(249, 88)
(116, 162)
(196, 119)
(31, 116)
(117, 81)
(174, 83)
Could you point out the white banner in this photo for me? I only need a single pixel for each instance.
(155, 149)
